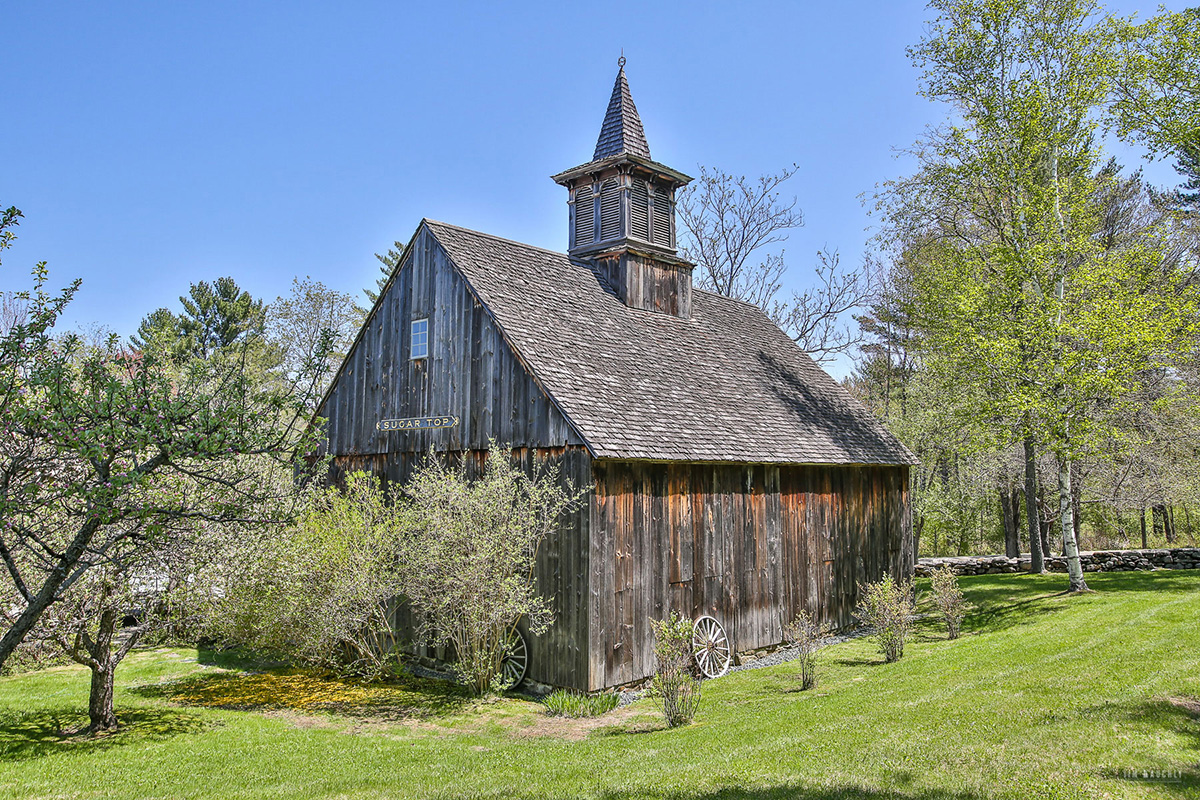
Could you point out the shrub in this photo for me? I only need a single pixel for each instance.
(948, 597)
(564, 703)
(887, 607)
(468, 555)
(316, 593)
(805, 635)
(674, 681)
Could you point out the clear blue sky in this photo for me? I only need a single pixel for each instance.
(155, 144)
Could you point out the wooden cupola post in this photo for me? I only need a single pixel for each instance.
(622, 213)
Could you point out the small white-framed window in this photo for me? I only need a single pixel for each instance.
(419, 346)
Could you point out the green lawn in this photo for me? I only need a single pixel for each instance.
(1045, 696)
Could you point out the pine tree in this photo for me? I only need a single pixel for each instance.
(215, 317)
(388, 263)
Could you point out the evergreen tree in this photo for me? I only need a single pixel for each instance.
(215, 317)
(1188, 165)
(388, 263)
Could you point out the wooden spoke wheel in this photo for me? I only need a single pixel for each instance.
(515, 663)
(710, 647)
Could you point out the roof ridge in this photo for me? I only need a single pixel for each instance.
(730, 299)
(506, 240)
(494, 236)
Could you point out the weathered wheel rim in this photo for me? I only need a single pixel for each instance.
(710, 647)
(515, 663)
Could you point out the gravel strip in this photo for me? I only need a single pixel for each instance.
(780, 656)
(785, 654)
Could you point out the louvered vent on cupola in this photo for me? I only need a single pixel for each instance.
(585, 216)
(610, 210)
(639, 211)
(661, 213)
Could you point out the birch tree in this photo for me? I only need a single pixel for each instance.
(1021, 305)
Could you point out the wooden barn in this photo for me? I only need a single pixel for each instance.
(729, 477)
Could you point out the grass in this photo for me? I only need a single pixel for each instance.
(566, 703)
(1044, 696)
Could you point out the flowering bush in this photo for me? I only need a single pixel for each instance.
(674, 681)
(948, 597)
(886, 606)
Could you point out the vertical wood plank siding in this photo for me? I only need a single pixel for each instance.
(748, 544)
(471, 373)
(649, 283)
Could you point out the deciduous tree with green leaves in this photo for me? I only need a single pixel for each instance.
(1155, 78)
(105, 451)
(1018, 304)
(311, 319)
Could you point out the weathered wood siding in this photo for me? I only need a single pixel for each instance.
(648, 283)
(559, 656)
(471, 372)
(749, 544)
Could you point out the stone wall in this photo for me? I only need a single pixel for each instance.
(1097, 561)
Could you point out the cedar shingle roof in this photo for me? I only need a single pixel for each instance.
(622, 129)
(725, 385)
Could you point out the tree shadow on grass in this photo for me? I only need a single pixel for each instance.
(783, 791)
(1166, 580)
(1178, 715)
(236, 658)
(991, 613)
(634, 728)
(403, 699)
(859, 661)
(799, 791)
(35, 734)
(999, 602)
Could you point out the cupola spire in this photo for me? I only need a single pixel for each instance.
(622, 131)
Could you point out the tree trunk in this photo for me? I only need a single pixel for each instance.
(1145, 541)
(1159, 515)
(1170, 526)
(1067, 522)
(102, 659)
(1036, 561)
(54, 583)
(1047, 522)
(1008, 512)
(101, 715)
(1077, 502)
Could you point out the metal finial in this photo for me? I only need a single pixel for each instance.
(621, 60)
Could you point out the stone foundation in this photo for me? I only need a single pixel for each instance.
(1092, 561)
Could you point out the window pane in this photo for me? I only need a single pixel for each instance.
(419, 344)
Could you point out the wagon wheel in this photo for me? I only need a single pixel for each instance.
(710, 647)
(515, 663)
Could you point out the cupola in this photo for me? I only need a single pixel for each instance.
(622, 212)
